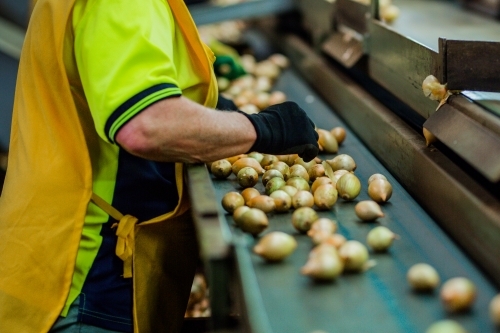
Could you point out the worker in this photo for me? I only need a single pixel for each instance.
(112, 98)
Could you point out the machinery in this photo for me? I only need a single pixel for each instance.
(350, 68)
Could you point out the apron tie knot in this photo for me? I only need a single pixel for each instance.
(125, 242)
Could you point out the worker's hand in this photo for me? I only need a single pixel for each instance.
(285, 129)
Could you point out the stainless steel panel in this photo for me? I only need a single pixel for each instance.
(400, 65)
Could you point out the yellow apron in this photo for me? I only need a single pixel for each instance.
(42, 212)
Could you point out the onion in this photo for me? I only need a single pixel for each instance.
(247, 162)
(380, 238)
(247, 177)
(339, 134)
(268, 160)
(458, 294)
(327, 141)
(249, 193)
(299, 183)
(231, 201)
(354, 254)
(368, 210)
(303, 218)
(380, 190)
(320, 181)
(325, 196)
(253, 221)
(348, 186)
(221, 169)
(342, 162)
(376, 176)
(495, 310)
(290, 190)
(282, 201)
(316, 171)
(275, 246)
(323, 267)
(281, 167)
(298, 170)
(336, 240)
(422, 277)
(274, 184)
(321, 230)
(238, 212)
(262, 202)
(302, 199)
(446, 326)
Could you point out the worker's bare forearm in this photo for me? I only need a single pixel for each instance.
(179, 130)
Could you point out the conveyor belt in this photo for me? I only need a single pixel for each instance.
(280, 299)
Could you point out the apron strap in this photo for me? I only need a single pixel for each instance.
(125, 232)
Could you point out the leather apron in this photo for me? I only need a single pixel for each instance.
(42, 213)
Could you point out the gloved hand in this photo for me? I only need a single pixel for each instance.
(224, 104)
(284, 129)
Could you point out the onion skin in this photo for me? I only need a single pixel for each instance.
(275, 246)
(325, 196)
(320, 181)
(368, 210)
(354, 254)
(494, 308)
(270, 174)
(380, 238)
(221, 169)
(342, 162)
(376, 176)
(247, 177)
(274, 184)
(253, 221)
(263, 202)
(323, 267)
(299, 183)
(458, 294)
(249, 193)
(238, 212)
(268, 159)
(327, 141)
(339, 134)
(303, 218)
(336, 240)
(302, 199)
(247, 162)
(316, 171)
(231, 201)
(348, 186)
(282, 201)
(321, 230)
(446, 326)
(298, 170)
(380, 190)
(422, 277)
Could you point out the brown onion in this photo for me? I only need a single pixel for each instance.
(380, 190)
(303, 218)
(253, 221)
(282, 201)
(458, 294)
(231, 201)
(262, 202)
(325, 196)
(275, 246)
(302, 199)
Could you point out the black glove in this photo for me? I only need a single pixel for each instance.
(284, 129)
(224, 104)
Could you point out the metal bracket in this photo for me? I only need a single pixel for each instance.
(470, 65)
(476, 144)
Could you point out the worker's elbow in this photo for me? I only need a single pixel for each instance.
(135, 140)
